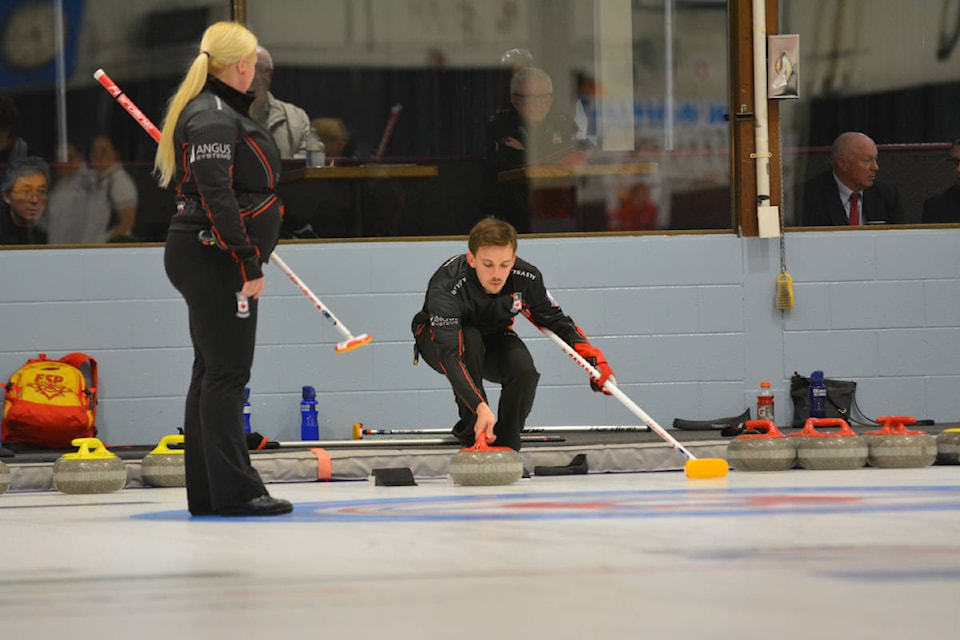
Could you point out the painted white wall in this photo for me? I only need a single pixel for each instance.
(688, 322)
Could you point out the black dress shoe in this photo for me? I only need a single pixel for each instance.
(264, 505)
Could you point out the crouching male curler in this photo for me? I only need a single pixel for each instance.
(465, 332)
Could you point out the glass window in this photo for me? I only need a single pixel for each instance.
(573, 116)
(901, 96)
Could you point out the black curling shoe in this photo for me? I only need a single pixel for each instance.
(264, 505)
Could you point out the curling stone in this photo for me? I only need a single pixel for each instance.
(4, 476)
(948, 447)
(164, 467)
(483, 465)
(829, 451)
(893, 447)
(92, 469)
(766, 451)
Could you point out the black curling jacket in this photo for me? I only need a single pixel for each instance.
(228, 168)
(455, 298)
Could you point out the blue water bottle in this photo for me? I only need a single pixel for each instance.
(818, 395)
(246, 410)
(309, 429)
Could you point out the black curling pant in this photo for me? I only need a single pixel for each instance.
(218, 469)
(502, 358)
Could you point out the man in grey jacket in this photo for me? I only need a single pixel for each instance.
(286, 122)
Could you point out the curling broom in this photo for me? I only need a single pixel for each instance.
(695, 468)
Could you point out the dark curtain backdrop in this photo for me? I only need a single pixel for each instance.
(444, 111)
(908, 116)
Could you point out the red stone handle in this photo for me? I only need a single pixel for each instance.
(480, 444)
(766, 426)
(896, 426)
(809, 427)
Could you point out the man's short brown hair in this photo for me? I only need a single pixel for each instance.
(491, 232)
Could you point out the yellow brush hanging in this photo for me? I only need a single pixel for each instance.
(784, 280)
(784, 292)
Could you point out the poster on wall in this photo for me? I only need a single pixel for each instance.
(783, 66)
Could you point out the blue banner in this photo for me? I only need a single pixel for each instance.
(28, 41)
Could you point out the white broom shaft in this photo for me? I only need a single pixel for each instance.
(310, 294)
(619, 395)
(527, 429)
(398, 442)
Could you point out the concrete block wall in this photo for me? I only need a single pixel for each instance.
(688, 323)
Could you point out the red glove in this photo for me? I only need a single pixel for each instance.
(595, 357)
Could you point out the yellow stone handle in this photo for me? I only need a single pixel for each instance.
(89, 449)
(162, 448)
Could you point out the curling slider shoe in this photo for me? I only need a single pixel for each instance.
(353, 343)
(576, 466)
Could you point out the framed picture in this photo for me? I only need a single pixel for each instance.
(783, 66)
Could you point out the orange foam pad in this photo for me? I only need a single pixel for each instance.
(702, 468)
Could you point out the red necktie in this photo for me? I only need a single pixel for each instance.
(854, 209)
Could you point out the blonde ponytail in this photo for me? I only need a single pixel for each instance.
(223, 43)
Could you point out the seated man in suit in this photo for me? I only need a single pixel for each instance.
(848, 194)
(945, 207)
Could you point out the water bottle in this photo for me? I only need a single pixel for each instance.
(765, 403)
(246, 410)
(818, 395)
(309, 429)
(316, 151)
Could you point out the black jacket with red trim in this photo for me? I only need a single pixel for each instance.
(228, 168)
(455, 298)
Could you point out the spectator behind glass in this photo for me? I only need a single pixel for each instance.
(532, 132)
(286, 122)
(112, 208)
(637, 211)
(24, 190)
(67, 207)
(826, 199)
(945, 207)
(334, 135)
(12, 147)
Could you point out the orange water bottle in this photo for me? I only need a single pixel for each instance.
(765, 403)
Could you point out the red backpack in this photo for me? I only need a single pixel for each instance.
(50, 402)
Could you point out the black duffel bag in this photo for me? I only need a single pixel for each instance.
(840, 397)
